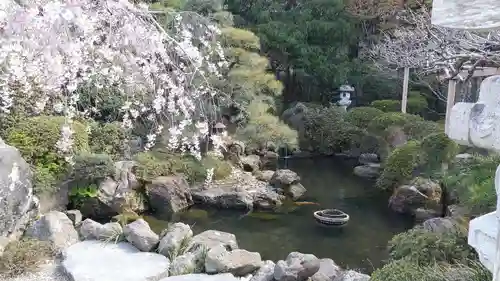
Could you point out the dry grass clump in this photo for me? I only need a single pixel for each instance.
(25, 255)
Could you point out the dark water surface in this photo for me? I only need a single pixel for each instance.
(359, 245)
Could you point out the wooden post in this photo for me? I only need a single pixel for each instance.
(404, 100)
(450, 101)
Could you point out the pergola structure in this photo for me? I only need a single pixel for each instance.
(467, 73)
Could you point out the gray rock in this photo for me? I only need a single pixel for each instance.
(169, 195)
(265, 272)
(284, 177)
(99, 261)
(265, 175)
(238, 262)
(351, 275)
(174, 237)
(463, 156)
(212, 238)
(18, 206)
(267, 199)
(423, 214)
(111, 231)
(295, 191)
(251, 163)
(421, 192)
(90, 229)
(370, 171)
(139, 234)
(56, 228)
(367, 158)
(185, 264)
(202, 277)
(297, 267)
(440, 225)
(328, 270)
(224, 199)
(75, 216)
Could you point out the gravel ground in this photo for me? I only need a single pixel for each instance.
(50, 271)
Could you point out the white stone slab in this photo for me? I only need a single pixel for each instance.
(100, 261)
(482, 237)
(202, 277)
(466, 14)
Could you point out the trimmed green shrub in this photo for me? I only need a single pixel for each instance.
(36, 139)
(107, 138)
(263, 128)
(438, 149)
(400, 165)
(161, 163)
(362, 116)
(473, 182)
(421, 128)
(380, 124)
(89, 168)
(417, 103)
(426, 248)
(326, 131)
(387, 105)
(403, 270)
(240, 38)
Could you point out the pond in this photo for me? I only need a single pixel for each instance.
(361, 244)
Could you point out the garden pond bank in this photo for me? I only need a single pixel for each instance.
(331, 184)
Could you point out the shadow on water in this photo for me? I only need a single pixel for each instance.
(361, 244)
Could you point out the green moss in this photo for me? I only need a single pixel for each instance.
(400, 165)
(362, 116)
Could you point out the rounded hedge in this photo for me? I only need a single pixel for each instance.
(36, 139)
(362, 116)
(438, 149)
(400, 165)
(380, 124)
(387, 105)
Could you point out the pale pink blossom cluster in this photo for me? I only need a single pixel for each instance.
(51, 49)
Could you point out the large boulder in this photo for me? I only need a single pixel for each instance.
(328, 270)
(187, 262)
(169, 195)
(296, 267)
(98, 261)
(420, 193)
(18, 206)
(265, 272)
(238, 262)
(441, 225)
(351, 275)
(117, 193)
(212, 238)
(173, 239)
(139, 234)
(91, 230)
(284, 177)
(251, 163)
(202, 277)
(370, 170)
(223, 198)
(56, 228)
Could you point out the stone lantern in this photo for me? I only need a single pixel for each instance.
(345, 92)
(477, 124)
(220, 129)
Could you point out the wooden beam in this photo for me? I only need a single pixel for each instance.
(404, 100)
(480, 72)
(450, 101)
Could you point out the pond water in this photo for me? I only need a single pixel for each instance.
(361, 244)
